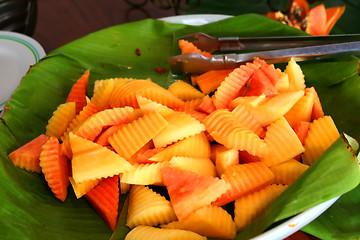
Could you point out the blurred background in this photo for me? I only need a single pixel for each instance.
(54, 23)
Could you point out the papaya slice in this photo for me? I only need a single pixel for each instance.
(27, 156)
(211, 80)
(243, 179)
(104, 198)
(185, 91)
(55, 168)
(150, 233)
(60, 120)
(187, 47)
(185, 196)
(133, 136)
(91, 161)
(78, 91)
(147, 207)
(211, 221)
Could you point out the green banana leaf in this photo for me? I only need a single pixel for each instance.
(29, 210)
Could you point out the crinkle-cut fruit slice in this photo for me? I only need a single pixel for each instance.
(93, 126)
(243, 179)
(211, 221)
(185, 148)
(249, 207)
(317, 110)
(190, 191)
(147, 106)
(322, 133)
(104, 198)
(282, 143)
(287, 172)
(91, 161)
(55, 168)
(125, 95)
(189, 105)
(244, 116)
(80, 189)
(145, 174)
(78, 91)
(231, 86)
(151, 233)
(267, 110)
(60, 120)
(202, 166)
(102, 94)
(187, 47)
(225, 158)
(181, 125)
(301, 111)
(27, 156)
(185, 91)
(84, 114)
(147, 207)
(133, 136)
(207, 105)
(226, 129)
(211, 80)
(296, 76)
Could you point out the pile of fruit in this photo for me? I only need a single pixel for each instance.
(184, 154)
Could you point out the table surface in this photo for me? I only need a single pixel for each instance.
(60, 22)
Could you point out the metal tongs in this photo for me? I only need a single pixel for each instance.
(301, 48)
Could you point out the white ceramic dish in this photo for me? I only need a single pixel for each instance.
(297, 222)
(17, 53)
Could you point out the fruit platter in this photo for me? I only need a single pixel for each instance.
(102, 141)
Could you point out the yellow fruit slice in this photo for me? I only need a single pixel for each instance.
(147, 106)
(211, 221)
(81, 188)
(202, 166)
(151, 233)
(84, 114)
(301, 111)
(125, 95)
(132, 136)
(181, 125)
(282, 143)
(287, 172)
(185, 148)
(93, 126)
(267, 110)
(225, 158)
(225, 128)
(296, 76)
(102, 93)
(233, 83)
(145, 174)
(91, 160)
(185, 91)
(251, 206)
(322, 133)
(60, 120)
(248, 121)
(243, 179)
(147, 207)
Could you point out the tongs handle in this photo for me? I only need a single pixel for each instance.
(269, 43)
(194, 63)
